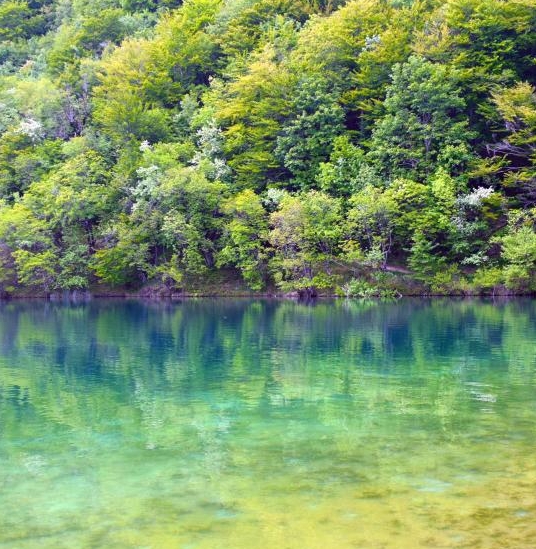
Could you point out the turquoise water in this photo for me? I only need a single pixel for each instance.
(262, 424)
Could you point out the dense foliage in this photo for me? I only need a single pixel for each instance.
(304, 144)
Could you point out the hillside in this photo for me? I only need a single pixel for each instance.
(367, 147)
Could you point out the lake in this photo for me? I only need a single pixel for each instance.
(249, 424)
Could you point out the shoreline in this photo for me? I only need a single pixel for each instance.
(70, 297)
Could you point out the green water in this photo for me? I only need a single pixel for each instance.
(261, 424)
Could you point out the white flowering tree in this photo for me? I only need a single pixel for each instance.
(209, 154)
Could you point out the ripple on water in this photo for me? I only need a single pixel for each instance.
(252, 425)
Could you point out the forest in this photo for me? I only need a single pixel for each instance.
(360, 148)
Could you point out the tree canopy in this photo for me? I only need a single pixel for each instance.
(298, 145)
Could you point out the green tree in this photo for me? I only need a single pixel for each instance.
(244, 237)
(241, 25)
(347, 171)
(517, 108)
(122, 108)
(423, 120)
(28, 248)
(489, 42)
(123, 255)
(305, 233)
(87, 36)
(423, 260)
(371, 223)
(519, 251)
(251, 110)
(19, 21)
(306, 138)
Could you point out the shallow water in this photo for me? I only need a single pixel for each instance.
(261, 424)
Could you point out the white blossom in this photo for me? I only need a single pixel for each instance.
(274, 196)
(209, 152)
(145, 146)
(32, 128)
(476, 259)
(371, 42)
(476, 197)
(220, 168)
(149, 179)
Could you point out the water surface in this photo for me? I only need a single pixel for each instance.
(244, 424)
